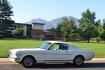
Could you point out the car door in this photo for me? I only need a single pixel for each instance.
(50, 54)
(63, 53)
(56, 53)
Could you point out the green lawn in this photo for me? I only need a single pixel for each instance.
(5, 45)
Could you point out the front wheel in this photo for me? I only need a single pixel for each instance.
(78, 61)
(28, 62)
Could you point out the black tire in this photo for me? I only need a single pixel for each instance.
(78, 61)
(28, 62)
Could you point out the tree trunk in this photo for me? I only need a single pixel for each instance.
(88, 41)
(66, 38)
(88, 38)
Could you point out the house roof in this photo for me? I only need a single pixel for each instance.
(22, 24)
(39, 23)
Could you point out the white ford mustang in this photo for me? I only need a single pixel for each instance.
(51, 52)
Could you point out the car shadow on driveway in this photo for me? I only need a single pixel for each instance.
(61, 66)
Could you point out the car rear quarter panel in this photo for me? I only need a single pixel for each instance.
(88, 55)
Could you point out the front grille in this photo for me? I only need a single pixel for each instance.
(9, 53)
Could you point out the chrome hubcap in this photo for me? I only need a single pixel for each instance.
(79, 61)
(28, 61)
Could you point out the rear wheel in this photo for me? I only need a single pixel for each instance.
(28, 62)
(78, 61)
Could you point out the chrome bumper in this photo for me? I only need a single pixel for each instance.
(14, 59)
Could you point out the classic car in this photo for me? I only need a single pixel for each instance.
(51, 52)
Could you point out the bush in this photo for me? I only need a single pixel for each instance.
(103, 36)
(19, 32)
(98, 39)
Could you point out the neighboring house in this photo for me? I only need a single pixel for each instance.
(35, 27)
(37, 30)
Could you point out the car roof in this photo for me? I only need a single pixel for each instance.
(57, 42)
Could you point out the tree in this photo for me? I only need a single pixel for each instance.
(19, 32)
(98, 30)
(104, 24)
(103, 33)
(87, 24)
(76, 33)
(6, 23)
(59, 31)
(67, 26)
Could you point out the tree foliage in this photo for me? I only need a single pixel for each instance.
(67, 27)
(103, 33)
(87, 24)
(19, 32)
(59, 31)
(104, 24)
(98, 29)
(6, 24)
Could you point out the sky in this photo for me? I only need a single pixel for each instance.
(25, 10)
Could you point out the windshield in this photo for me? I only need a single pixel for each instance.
(45, 45)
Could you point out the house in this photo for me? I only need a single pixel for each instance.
(35, 29)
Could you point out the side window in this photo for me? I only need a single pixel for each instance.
(63, 46)
(54, 46)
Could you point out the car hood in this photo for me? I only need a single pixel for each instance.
(27, 49)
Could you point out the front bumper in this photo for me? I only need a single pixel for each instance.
(15, 59)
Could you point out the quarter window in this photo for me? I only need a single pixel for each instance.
(63, 46)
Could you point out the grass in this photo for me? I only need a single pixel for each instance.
(5, 45)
